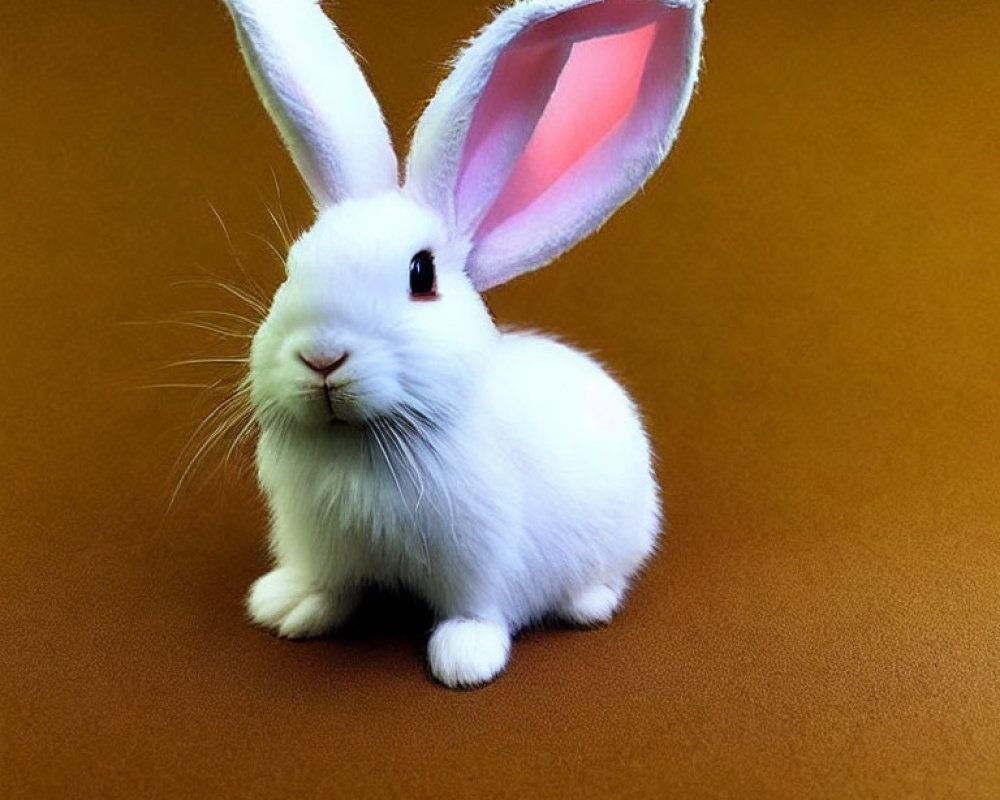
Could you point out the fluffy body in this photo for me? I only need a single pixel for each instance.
(502, 476)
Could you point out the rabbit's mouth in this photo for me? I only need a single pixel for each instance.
(325, 391)
(341, 407)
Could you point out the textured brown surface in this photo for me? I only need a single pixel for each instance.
(805, 301)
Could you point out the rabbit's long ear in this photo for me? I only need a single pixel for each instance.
(312, 87)
(552, 117)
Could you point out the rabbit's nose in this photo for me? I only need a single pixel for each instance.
(323, 364)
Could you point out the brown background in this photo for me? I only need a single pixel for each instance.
(805, 301)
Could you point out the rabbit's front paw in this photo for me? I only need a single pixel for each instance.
(285, 602)
(468, 652)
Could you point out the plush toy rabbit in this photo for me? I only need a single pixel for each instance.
(404, 439)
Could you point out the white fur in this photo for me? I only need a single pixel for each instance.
(468, 652)
(317, 97)
(502, 476)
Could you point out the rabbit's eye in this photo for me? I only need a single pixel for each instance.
(423, 285)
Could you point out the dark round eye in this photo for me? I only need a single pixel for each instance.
(423, 285)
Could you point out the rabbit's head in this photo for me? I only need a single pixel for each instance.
(552, 117)
(376, 318)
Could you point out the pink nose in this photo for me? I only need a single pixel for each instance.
(324, 365)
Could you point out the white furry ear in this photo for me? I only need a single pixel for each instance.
(553, 116)
(315, 93)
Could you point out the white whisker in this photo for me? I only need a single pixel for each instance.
(233, 252)
(287, 236)
(255, 303)
(253, 323)
(226, 414)
(199, 325)
(270, 246)
(151, 386)
(206, 361)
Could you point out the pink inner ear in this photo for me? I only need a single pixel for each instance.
(596, 90)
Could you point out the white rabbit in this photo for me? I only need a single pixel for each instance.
(404, 439)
